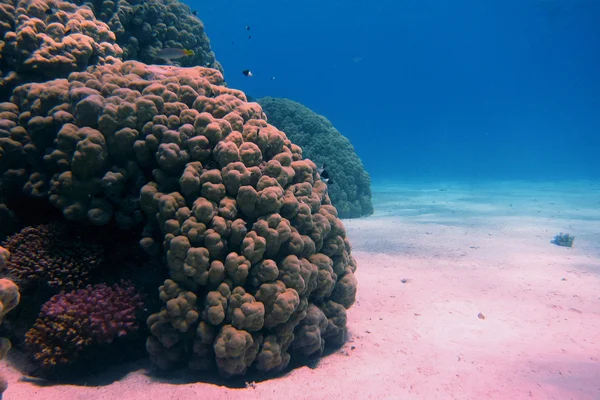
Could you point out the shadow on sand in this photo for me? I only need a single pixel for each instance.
(145, 367)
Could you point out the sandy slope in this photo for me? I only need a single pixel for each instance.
(463, 250)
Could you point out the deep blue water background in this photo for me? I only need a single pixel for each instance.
(430, 89)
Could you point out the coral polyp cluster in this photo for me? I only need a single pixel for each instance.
(47, 256)
(143, 27)
(49, 39)
(71, 322)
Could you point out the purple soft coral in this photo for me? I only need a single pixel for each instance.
(70, 322)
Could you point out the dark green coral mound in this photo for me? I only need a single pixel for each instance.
(350, 192)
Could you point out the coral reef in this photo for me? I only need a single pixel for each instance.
(351, 189)
(258, 263)
(48, 256)
(563, 239)
(50, 39)
(9, 299)
(71, 323)
(144, 27)
(252, 242)
(42, 40)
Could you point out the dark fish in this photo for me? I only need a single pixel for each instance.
(232, 42)
(249, 37)
(247, 27)
(247, 72)
(321, 169)
(194, 12)
(49, 11)
(324, 175)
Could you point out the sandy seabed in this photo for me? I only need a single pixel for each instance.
(461, 296)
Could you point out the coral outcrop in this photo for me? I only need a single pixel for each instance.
(50, 39)
(47, 256)
(9, 299)
(144, 27)
(4, 255)
(350, 190)
(71, 323)
(259, 264)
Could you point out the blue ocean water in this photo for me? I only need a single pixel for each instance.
(429, 89)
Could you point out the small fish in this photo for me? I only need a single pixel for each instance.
(324, 175)
(247, 72)
(49, 11)
(68, 31)
(33, 379)
(170, 53)
(247, 27)
(194, 12)
(249, 37)
(232, 42)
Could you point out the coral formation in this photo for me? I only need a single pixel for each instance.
(42, 39)
(71, 323)
(50, 39)
(351, 189)
(9, 299)
(251, 238)
(563, 239)
(46, 255)
(144, 27)
(4, 255)
(259, 266)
